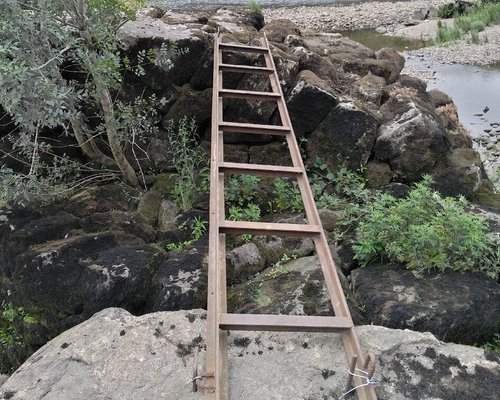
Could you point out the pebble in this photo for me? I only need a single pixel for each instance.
(494, 124)
(478, 114)
(488, 130)
(369, 15)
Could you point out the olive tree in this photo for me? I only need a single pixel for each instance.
(58, 59)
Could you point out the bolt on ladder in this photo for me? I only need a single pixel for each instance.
(219, 321)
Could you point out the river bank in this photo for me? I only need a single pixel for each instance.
(396, 19)
(341, 17)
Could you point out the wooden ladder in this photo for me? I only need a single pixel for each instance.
(219, 321)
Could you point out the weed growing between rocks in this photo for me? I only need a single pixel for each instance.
(189, 160)
(198, 230)
(427, 232)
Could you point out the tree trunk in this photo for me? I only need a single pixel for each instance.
(85, 144)
(128, 172)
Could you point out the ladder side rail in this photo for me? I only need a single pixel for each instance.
(339, 303)
(222, 382)
(212, 339)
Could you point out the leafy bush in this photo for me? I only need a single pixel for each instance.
(240, 196)
(343, 190)
(426, 231)
(287, 196)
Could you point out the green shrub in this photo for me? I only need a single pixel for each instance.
(447, 33)
(477, 26)
(287, 196)
(426, 231)
(446, 10)
(474, 20)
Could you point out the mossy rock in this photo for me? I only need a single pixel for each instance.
(164, 183)
(149, 206)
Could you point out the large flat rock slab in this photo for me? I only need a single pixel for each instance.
(117, 356)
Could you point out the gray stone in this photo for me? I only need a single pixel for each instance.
(412, 140)
(462, 175)
(456, 307)
(378, 174)
(330, 218)
(370, 88)
(294, 287)
(166, 215)
(243, 262)
(273, 248)
(116, 356)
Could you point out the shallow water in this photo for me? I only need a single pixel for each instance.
(473, 88)
(376, 41)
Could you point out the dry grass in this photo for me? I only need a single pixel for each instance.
(402, 91)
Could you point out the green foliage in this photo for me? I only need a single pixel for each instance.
(287, 196)
(473, 22)
(198, 230)
(255, 7)
(240, 196)
(446, 10)
(278, 269)
(341, 190)
(60, 67)
(251, 212)
(447, 33)
(426, 232)
(10, 319)
(189, 159)
(493, 345)
(241, 189)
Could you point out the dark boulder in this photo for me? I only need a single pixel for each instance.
(296, 287)
(278, 30)
(440, 98)
(345, 137)
(180, 281)
(91, 272)
(394, 62)
(456, 307)
(463, 174)
(412, 139)
(309, 101)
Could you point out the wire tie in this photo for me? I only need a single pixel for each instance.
(365, 376)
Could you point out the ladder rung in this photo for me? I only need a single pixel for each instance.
(248, 95)
(266, 228)
(240, 47)
(283, 323)
(245, 69)
(257, 129)
(258, 169)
